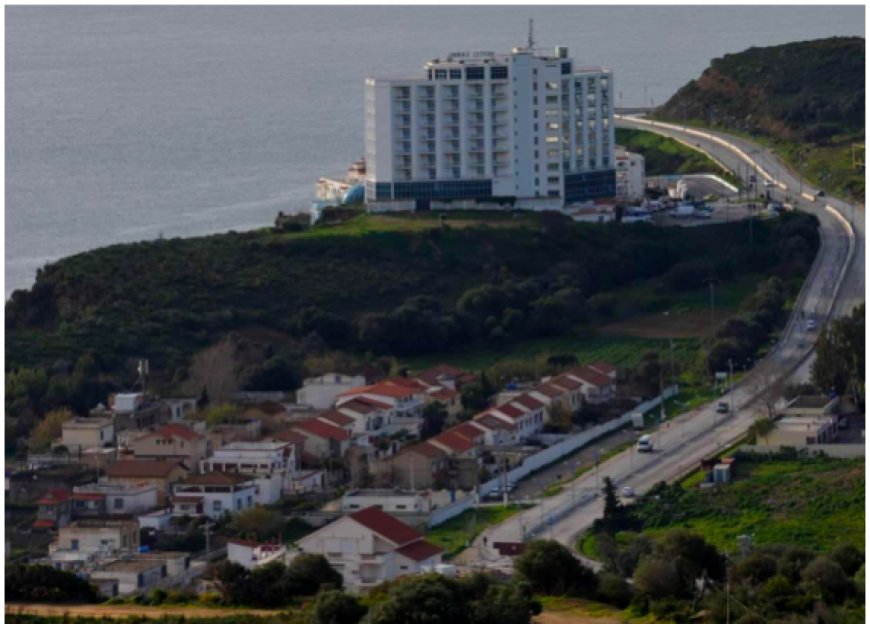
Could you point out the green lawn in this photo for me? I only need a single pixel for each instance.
(457, 533)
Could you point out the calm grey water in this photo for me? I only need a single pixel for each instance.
(127, 123)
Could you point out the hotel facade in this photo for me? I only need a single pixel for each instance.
(528, 129)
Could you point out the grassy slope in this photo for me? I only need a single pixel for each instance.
(455, 534)
(816, 503)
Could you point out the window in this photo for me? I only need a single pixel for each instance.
(553, 125)
(534, 100)
(536, 127)
(498, 72)
(566, 68)
(440, 74)
(552, 86)
(553, 180)
(536, 113)
(552, 139)
(250, 500)
(552, 99)
(536, 168)
(238, 504)
(74, 544)
(474, 73)
(455, 74)
(217, 506)
(401, 506)
(119, 503)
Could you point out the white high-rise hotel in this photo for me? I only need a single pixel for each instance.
(528, 127)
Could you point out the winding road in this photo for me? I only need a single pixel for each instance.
(834, 286)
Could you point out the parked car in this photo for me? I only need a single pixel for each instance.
(628, 492)
(645, 444)
(811, 325)
(723, 408)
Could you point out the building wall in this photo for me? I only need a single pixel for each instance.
(76, 437)
(322, 395)
(99, 539)
(158, 447)
(392, 503)
(163, 485)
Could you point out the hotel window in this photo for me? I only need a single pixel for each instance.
(119, 503)
(552, 139)
(553, 86)
(440, 74)
(566, 68)
(498, 72)
(552, 99)
(474, 73)
(455, 74)
(553, 125)
(553, 180)
(217, 506)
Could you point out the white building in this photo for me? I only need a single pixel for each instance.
(214, 493)
(255, 458)
(485, 128)
(78, 434)
(251, 554)
(630, 175)
(102, 499)
(320, 392)
(87, 540)
(392, 501)
(369, 547)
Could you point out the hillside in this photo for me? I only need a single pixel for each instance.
(275, 307)
(806, 94)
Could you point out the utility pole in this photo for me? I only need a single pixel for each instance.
(206, 529)
(731, 383)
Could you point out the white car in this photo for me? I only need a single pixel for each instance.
(811, 325)
(628, 492)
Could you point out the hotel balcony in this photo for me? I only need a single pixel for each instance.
(402, 121)
(451, 146)
(476, 146)
(403, 147)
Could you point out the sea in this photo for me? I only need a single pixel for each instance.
(128, 123)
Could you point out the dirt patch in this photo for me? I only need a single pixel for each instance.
(124, 611)
(570, 617)
(688, 324)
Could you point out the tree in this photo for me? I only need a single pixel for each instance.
(849, 557)
(656, 577)
(434, 417)
(220, 414)
(613, 589)
(429, 598)
(839, 364)
(769, 390)
(761, 428)
(612, 518)
(504, 604)
(311, 572)
(259, 521)
(551, 569)
(335, 607)
(41, 583)
(473, 396)
(825, 576)
(48, 430)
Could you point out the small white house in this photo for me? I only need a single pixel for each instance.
(273, 463)
(78, 434)
(320, 392)
(213, 494)
(630, 175)
(251, 554)
(391, 501)
(369, 547)
(110, 499)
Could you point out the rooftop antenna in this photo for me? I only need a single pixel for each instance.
(531, 44)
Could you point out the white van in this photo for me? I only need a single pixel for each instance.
(645, 444)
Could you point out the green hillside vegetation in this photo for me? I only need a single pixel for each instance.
(805, 97)
(665, 156)
(275, 307)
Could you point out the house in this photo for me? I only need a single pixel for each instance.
(54, 509)
(812, 406)
(449, 398)
(498, 431)
(213, 494)
(420, 466)
(599, 383)
(446, 376)
(162, 474)
(272, 463)
(245, 429)
(78, 434)
(803, 431)
(463, 440)
(605, 368)
(395, 501)
(525, 411)
(404, 397)
(322, 439)
(368, 417)
(321, 392)
(130, 576)
(172, 441)
(293, 439)
(180, 409)
(370, 546)
(113, 499)
(88, 540)
(251, 554)
(135, 410)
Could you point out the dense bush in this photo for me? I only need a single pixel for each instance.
(276, 585)
(41, 583)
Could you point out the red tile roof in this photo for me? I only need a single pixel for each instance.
(386, 388)
(337, 418)
(88, 496)
(467, 429)
(175, 431)
(318, 428)
(549, 390)
(419, 550)
(43, 524)
(431, 375)
(528, 401)
(453, 440)
(603, 367)
(269, 407)
(386, 526)
(131, 468)
(364, 405)
(443, 394)
(510, 410)
(567, 382)
(427, 450)
(591, 376)
(288, 435)
(54, 496)
(493, 422)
